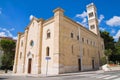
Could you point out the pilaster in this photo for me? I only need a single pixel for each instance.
(39, 58)
(16, 54)
(25, 45)
(58, 17)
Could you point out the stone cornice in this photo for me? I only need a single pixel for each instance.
(77, 24)
(58, 9)
(50, 20)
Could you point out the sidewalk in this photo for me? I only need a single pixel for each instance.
(65, 74)
(107, 67)
(115, 68)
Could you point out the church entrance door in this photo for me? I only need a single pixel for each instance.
(29, 65)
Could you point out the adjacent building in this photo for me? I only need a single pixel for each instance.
(59, 45)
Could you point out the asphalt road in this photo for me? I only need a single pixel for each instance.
(114, 75)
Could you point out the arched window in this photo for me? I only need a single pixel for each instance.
(31, 43)
(48, 34)
(29, 53)
(47, 51)
(21, 43)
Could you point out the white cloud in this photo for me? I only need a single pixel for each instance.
(117, 35)
(84, 20)
(12, 29)
(101, 18)
(115, 21)
(102, 29)
(112, 31)
(7, 33)
(78, 22)
(31, 16)
(83, 15)
(3, 34)
(15, 37)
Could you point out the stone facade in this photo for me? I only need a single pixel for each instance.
(70, 46)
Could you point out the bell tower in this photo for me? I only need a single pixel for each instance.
(92, 18)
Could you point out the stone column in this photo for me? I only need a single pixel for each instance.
(16, 54)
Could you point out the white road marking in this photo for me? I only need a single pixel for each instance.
(87, 75)
(95, 76)
(103, 76)
(110, 77)
(117, 79)
(99, 76)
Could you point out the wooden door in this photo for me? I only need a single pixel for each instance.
(29, 65)
(79, 64)
(93, 64)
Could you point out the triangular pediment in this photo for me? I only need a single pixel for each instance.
(33, 19)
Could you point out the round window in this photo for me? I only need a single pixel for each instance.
(31, 43)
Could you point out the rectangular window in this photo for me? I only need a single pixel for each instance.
(90, 14)
(82, 39)
(87, 41)
(71, 35)
(92, 26)
(48, 35)
(77, 37)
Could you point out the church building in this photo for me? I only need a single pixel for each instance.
(59, 45)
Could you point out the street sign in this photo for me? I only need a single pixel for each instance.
(47, 58)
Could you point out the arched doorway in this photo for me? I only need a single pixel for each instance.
(29, 65)
(30, 58)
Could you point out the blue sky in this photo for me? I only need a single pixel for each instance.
(15, 14)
